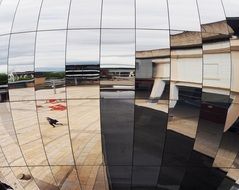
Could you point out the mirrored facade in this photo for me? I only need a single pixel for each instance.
(119, 94)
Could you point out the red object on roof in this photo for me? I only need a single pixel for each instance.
(52, 100)
(58, 107)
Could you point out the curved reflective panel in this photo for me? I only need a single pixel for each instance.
(7, 12)
(82, 64)
(55, 134)
(117, 131)
(152, 64)
(28, 132)
(217, 64)
(207, 15)
(85, 14)
(21, 67)
(215, 97)
(85, 130)
(120, 177)
(26, 17)
(231, 8)
(54, 15)
(152, 14)
(117, 64)
(118, 14)
(8, 140)
(212, 17)
(50, 65)
(183, 15)
(144, 177)
(4, 42)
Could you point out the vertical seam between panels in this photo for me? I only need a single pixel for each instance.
(202, 74)
(133, 137)
(67, 111)
(104, 156)
(37, 114)
(166, 127)
(101, 136)
(229, 35)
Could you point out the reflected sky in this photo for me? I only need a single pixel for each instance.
(4, 40)
(117, 49)
(50, 51)
(85, 14)
(118, 14)
(184, 15)
(152, 14)
(54, 14)
(83, 47)
(7, 10)
(152, 39)
(231, 8)
(27, 15)
(210, 14)
(21, 52)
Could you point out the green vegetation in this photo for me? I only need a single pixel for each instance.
(3, 78)
(24, 78)
(54, 75)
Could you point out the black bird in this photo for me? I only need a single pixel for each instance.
(53, 122)
(4, 186)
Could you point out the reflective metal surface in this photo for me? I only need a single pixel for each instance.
(21, 67)
(119, 94)
(117, 64)
(82, 64)
(50, 65)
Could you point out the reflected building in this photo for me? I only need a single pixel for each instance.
(144, 94)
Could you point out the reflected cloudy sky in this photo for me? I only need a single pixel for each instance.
(54, 14)
(26, 15)
(21, 52)
(85, 14)
(152, 14)
(152, 39)
(211, 13)
(83, 47)
(50, 51)
(184, 15)
(3, 53)
(7, 10)
(231, 8)
(117, 48)
(118, 14)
